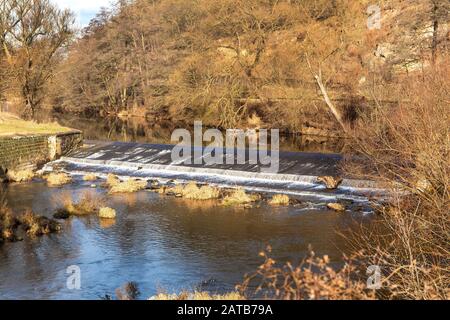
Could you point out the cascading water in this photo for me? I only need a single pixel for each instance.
(297, 176)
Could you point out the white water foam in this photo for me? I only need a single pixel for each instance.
(294, 185)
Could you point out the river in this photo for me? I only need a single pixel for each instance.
(161, 243)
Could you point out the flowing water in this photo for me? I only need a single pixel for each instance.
(167, 244)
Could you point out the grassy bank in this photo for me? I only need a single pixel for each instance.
(12, 125)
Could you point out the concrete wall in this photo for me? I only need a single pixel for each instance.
(19, 152)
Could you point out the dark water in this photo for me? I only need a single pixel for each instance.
(158, 242)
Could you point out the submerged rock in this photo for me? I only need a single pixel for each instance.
(336, 207)
(61, 214)
(295, 202)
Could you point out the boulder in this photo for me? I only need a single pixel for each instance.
(330, 182)
(336, 207)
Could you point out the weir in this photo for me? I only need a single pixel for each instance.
(298, 172)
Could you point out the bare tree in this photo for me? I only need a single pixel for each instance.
(32, 33)
(6, 24)
(439, 15)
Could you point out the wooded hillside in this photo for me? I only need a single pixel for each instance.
(243, 62)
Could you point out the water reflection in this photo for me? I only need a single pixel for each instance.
(138, 129)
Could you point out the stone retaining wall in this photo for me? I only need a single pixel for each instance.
(25, 151)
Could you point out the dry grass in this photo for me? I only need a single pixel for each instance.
(128, 186)
(279, 200)
(313, 279)
(89, 203)
(90, 177)
(107, 213)
(20, 176)
(129, 291)
(193, 192)
(204, 193)
(176, 190)
(13, 125)
(7, 222)
(58, 179)
(31, 223)
(196, 295)
(239, 197)
(112, 180)
(36, 225)
(406, 147)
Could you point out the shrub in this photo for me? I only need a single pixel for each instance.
(279, 200)
(128, 186)
(129, 291)
(112, 180)
(406, 147)
(7, 223)
(196, 295)
(176, 190)
(239, 197)
(107, 213)
(58, 179)
(89, 203)
(37, 225)
(193, 192)
(20, 176)
(313, 279)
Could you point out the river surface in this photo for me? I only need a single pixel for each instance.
(138, 129)
(161, 243)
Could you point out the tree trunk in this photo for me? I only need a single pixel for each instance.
(331, 106)
(434, 44)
